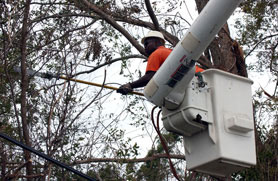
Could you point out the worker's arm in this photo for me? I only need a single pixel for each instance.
(143, 80)
(127, 88)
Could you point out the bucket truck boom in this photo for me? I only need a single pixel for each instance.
(214, 117)
(177, 68)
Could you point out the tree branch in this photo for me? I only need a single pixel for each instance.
(270, 36)
(16, 172)
(122, 160)
(168, 36)
(24, 86)
(114, 24)
(108, 63)
(104, 15)
(152, 15)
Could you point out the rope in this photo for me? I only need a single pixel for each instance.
(163, 142)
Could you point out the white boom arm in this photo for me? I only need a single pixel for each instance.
(177, 68)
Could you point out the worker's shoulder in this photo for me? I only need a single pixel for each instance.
(162, 49)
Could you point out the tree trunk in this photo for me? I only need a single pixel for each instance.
(24, 86)
(224, 52)
(3, 160)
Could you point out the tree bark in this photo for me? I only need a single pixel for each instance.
(152, 14)
(3, 159)
(222, 51)
(201, 4)
(24, 87)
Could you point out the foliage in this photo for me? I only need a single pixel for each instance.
(259, 33)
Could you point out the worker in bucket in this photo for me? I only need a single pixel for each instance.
(154, 44)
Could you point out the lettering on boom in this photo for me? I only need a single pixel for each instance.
(179, 73)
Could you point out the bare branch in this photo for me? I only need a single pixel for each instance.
(107, 16)
(249, 53)
(16, 172)
(114, 24)
(122, 160)
(104, 79)
(39, 19)
(108, 63)
(152, 15)
(168, 36)
(28, 176)
(24, 85)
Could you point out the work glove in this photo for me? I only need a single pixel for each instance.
(125, 89)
